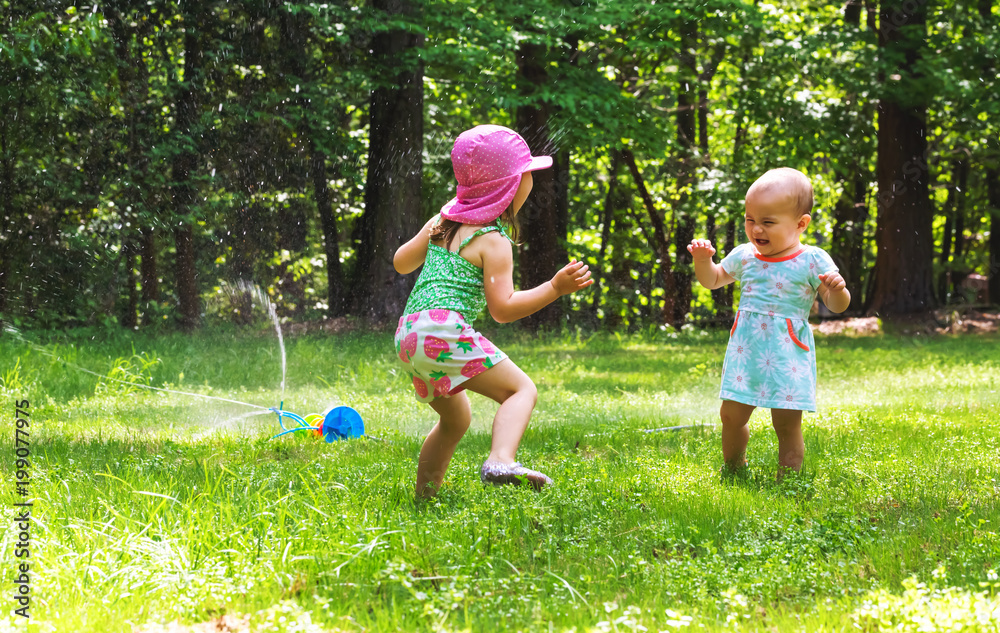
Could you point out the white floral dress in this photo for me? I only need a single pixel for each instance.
(771, 358)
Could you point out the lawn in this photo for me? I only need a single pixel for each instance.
(152, 508)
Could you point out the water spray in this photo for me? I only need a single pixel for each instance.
(336, 423)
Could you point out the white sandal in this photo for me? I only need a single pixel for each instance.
(515, 474)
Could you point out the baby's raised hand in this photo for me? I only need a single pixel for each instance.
(833, 281)
(573, 276)
(701, 249)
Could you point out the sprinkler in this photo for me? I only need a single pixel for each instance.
(334, 424)
(337, 422)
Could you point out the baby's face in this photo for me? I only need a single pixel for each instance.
(773, 224)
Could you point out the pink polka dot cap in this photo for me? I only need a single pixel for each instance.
(488, 161)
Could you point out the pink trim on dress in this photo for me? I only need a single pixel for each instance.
(795, 339)
(780, 259)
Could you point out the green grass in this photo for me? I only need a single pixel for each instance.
(154, 507)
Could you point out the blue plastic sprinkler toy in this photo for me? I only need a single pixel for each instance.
(334, 424)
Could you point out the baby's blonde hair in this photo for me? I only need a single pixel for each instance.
(792, 182)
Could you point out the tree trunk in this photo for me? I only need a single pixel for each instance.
(849, 217)
(903, 266)
(249, 236)
(294, 30)
(292, 229)
(851, 210)
(993, 202)
(852, 11)
(856, 267)
(542, 250)
(952, 233)
(871, 15)
(684, 213)
(961, 242)
(133, 78)
(4, 276)
(749, 40)
(8, 214)
(184, 163)
(944, 259)
(560, 169)
(130, 315)
(392, 191)
(992, 188)
(607, 222)
(331, 236)
(739, 140)
(730, 245)
(659, 240)
(722, 298)
(186, 271)
(148, 274)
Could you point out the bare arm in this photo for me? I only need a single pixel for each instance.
(506, 304)
(709, 274)
(411, 256)
(834, 293)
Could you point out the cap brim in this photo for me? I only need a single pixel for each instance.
(539, 162)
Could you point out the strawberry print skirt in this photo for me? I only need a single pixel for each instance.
(441, 351)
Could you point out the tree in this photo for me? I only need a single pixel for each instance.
(319, 55)
(395, 146)
(985, 9)
(129, 26)
(903, 267)
(53, 160)
(543, 251)
(203, 141)
(185, 163)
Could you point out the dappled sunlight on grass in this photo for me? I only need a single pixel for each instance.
(160, 507)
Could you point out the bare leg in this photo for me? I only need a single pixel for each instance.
(511, 387)
(735, 433)
(438, 448)
(507, 384)
(791, 447)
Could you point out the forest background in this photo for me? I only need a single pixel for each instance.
(155, 153)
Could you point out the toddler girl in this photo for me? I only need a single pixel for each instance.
(771, 360)
(468, 263)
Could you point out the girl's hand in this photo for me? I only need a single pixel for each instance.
(508, 305)
(834, 293)
(832, 282)
(706, 271)
(701, 249)
(573, 276)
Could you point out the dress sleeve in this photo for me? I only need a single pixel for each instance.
(820, 263)
(733, 262)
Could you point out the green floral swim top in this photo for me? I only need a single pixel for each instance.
(448, 281)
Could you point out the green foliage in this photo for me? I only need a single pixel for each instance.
(12, 382)
(92, 133)
(930, 608)
(128, 375)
